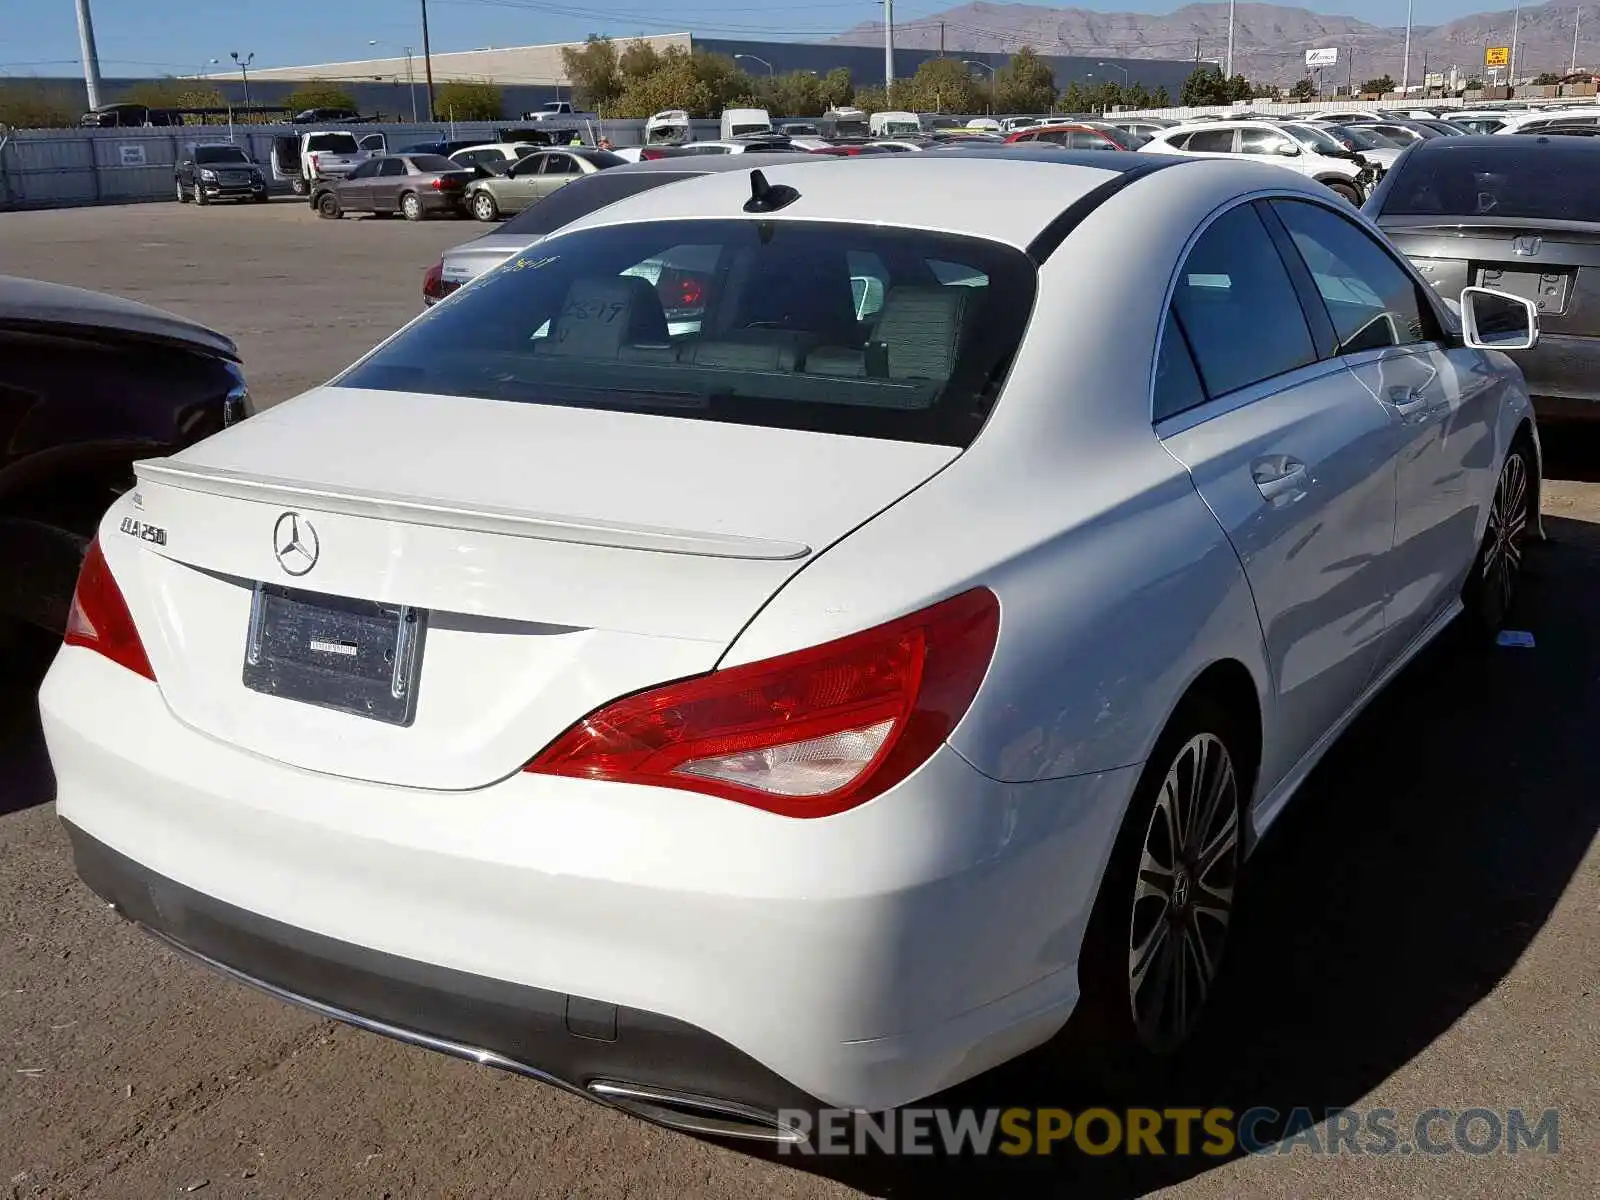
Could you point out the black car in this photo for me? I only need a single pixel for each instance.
(88, 385)
(414, 185)
(220, 171)
(1521, 215)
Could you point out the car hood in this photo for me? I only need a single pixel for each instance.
(34, 304)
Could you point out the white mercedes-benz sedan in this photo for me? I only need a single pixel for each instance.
(798, 635)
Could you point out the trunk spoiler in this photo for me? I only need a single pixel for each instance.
(446, 514)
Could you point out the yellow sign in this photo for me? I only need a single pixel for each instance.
(1497, 56)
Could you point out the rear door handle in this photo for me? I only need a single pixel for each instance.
(1280, 477)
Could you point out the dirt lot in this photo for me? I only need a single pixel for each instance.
(1423, 928)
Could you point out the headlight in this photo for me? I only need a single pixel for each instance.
(236, 405)
(208, 175)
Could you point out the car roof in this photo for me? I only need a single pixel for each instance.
(32, 303)
(950, 189)
(1495, 143)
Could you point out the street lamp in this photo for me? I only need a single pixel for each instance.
(972, 62)
(411, 80)
(1114, 67)
(754, 58)
(244, 70)
(202, 72)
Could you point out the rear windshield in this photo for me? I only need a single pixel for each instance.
(1547, 183)
(220, 154)
(434, 162)
(841, 328)
(333, 143)
(583, 196)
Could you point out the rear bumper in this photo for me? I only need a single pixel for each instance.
(1563, 376)
(867, 959)
(442, 201)
(575, 1042)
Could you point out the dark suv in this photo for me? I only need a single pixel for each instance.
(218, 172)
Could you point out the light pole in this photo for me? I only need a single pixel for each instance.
(1405, 68)
(1124, 71)
(427, 58)
(755, 58)
(888, 51)
(1229, 71)
(1577, 21)
(1516, 27)
(244, 70)
(411, 80)
(91, 56)
(202, 72)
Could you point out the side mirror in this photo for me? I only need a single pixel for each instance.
(1287, 149)
(1492, 320)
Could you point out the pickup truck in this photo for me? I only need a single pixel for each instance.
(319, 155)
(559, 110)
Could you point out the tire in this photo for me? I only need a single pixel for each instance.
(1345, 191)
(1158, 912)
(183, 196)
(299, 186)
(260, 198)
(484, 207)
(200, 196)
(411, 206)
(328, 206)
(1491, 588)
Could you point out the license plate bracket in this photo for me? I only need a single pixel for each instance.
(361, 657)
(1547, 289)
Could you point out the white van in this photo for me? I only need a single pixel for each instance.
(894, 124)
(742, 122)
(669, 128)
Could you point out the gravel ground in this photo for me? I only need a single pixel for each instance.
(1421, 928)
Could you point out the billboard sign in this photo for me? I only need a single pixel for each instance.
(1321, 58)
(1497, 56)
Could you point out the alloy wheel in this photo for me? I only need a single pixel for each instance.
(1183, 894)
(1502, 540)
(483, 206)
(412, 207)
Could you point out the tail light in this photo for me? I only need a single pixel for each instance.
(100, 620)
(435, 287)
(316, 162)
(447, 183)
(807, 734)
(651, 155)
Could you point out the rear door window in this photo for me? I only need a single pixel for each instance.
(332, 143)
(1210, 141)
(736, 321)
(1236, 303)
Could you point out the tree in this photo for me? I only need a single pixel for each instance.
(173, 93)
(1076, 99)
(26, 105)
(1381, 86)
(837, 90)
(796, 94)
(941, 85)
(1304, 89)
(1162, 98)
(1025, 84)
(1474, 85)
(1204, 86)
(1547, 79)
(318, 93)
(638, 61)
(464, 100)
(595, 73)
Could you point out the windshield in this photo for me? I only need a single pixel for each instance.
(1366, 139)
(864, 330)
(1316, 139)
(1547, 183)
(332, 143)
(220, 154)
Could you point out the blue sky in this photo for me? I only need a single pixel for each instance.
(180, 37)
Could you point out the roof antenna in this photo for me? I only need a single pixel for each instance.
(768, 197)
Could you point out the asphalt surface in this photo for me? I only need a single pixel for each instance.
(1421, 930)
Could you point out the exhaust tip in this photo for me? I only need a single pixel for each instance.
(691, 1113)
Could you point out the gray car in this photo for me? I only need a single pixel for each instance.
(1517, 214)
(414, 185)
(534, 178)
(466, 262)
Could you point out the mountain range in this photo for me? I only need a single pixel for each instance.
(1270, 40)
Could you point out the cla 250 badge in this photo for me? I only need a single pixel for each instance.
(146, 533)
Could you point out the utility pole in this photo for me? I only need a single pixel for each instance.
(1511, 64)
(91, 57)
(1405, 70)
(1577, 20)
(427, 58)
(888, 48)
(941, 41)
(1229, 72)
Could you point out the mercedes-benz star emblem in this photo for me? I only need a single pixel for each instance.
(294, 544)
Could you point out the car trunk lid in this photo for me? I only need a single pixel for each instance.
(552, 559)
